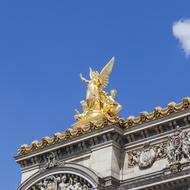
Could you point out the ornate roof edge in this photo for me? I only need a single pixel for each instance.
(158, 112)
(131, 121)
(68, 134)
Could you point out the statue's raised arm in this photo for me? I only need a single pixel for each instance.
(83, 79)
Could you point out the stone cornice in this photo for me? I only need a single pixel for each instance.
(131, 121)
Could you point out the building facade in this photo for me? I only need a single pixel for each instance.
(105, 152)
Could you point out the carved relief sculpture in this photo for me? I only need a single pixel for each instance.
(51, 162)
(176, 149)
(146, 156)
(133, 158)
(186, 144)
(160, 150)
(63, 185)
(62, 182)
(178, 146)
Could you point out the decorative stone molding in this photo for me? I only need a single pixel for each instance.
(121, 122)
(75, 173)
(175, 149)
(141, 133)
(86, 144)
(51, 162)
(157, 113)
(178, 148)
(147, 155)
(62, 182)
(72, 149)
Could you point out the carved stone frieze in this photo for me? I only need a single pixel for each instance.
(161, 151)
(51, 162)
(147, 155)
(133, 158)
(175, 149)
(178, 148)
(62, 182)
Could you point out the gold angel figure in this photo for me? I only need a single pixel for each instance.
(97, 82)
(98, 104)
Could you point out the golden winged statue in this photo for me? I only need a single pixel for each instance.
(97, 105)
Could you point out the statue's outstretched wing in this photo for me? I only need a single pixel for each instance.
(104, 74)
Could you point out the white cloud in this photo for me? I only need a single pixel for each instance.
(181, 30)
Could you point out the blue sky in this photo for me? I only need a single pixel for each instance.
(44, 45)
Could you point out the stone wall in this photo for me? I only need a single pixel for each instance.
(151, 154)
